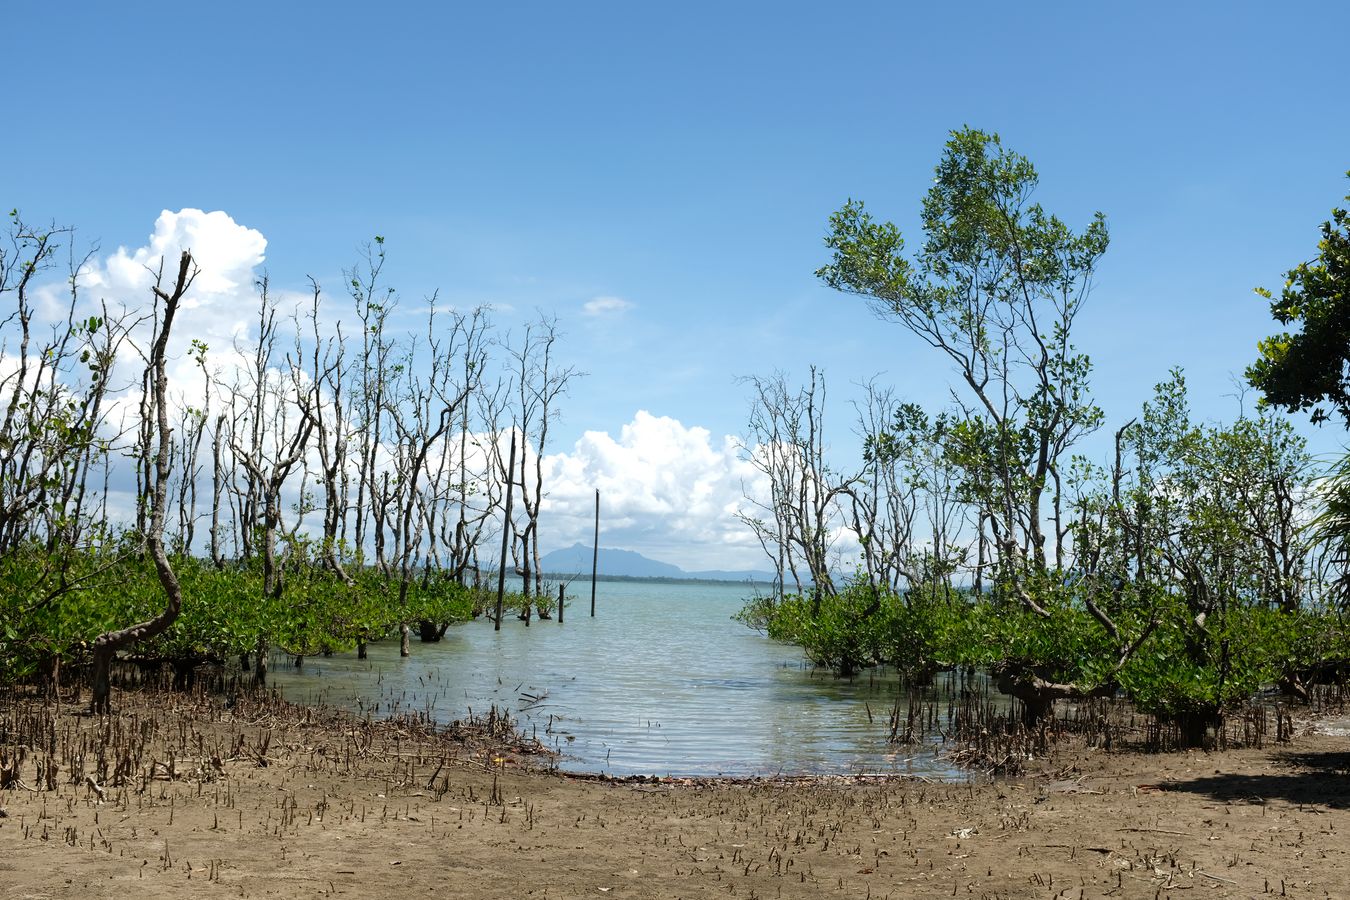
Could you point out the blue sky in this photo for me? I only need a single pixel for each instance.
(685, 158)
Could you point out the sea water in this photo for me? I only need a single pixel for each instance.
(662, 681)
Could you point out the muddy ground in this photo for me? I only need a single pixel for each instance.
(191, 798)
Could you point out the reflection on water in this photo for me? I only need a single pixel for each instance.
(661, 682)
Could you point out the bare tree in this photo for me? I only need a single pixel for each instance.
(786, 444)
(55, 389)
(108, 643)
(327, 412)
(539, 382)
(883, 503)
(527, 401)
(451, 527)
(192, 428)
(426, 407)
(278, 442)
(374, 304)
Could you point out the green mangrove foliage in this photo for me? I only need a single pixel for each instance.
(1305, 370)
(224, 615)
(1180, 573)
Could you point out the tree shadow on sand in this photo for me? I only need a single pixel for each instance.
(1320, 778)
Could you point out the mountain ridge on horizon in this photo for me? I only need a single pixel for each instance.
(631, 564)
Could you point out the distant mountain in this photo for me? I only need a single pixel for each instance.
(576, 559)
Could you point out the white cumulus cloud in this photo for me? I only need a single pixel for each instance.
(228, 257)
(219, 309)
(667, 490)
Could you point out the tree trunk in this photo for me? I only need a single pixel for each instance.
(260, 663)
(1038, 695)
(1193, 727)
(184, 673)
(107, 644)
(100, 688)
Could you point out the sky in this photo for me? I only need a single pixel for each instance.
(660, 177)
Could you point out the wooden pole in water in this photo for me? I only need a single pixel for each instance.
(506, 534)
(561, 600)
(595, 553)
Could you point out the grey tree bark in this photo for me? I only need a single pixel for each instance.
(107, 644)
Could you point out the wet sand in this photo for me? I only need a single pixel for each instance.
(268, 800)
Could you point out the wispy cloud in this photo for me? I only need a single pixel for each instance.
(604, 306)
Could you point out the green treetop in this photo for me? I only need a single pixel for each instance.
(1309, 370)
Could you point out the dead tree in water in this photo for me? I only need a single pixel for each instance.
(539, 382)
(506, 525)
(108, 643)
(425, 407)
(458, 357)
(786, 445)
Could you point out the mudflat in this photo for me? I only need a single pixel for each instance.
(174, 796)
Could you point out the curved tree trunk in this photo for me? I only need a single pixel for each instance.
(107, 644)
(1038, 695)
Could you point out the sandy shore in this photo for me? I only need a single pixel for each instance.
(262, 800)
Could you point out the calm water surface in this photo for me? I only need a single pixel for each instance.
(660, 682)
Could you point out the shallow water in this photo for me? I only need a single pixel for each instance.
(660, 682)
